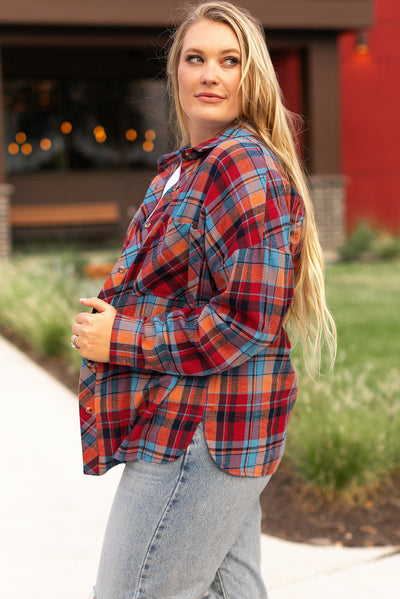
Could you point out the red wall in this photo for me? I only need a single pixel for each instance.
(288, 68)
(370, 104)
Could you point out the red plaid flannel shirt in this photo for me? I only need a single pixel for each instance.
(201, 289)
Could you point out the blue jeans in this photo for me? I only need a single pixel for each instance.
(183, 530)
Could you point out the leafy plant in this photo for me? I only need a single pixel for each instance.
(367, 243)
(386, 246)
(38, 302)
(343, 436)
(359, 243)
(39, 297)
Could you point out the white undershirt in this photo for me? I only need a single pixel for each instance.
(174, 178)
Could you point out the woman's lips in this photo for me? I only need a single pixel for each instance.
(209, 98)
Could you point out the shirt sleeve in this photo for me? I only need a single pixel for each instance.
(249, 217)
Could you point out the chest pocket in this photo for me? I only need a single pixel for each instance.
(173, 264)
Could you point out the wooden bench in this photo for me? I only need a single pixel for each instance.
(52, 215)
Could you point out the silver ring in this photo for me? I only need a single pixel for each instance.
(73, 344)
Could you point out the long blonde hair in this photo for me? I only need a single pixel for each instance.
(262, 106)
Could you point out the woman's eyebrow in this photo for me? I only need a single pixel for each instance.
(227, 51)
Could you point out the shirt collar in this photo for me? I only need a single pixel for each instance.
(192, 153)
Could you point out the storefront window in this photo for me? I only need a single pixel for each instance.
(104, 124)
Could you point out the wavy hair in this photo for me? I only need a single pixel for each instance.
(263, 110)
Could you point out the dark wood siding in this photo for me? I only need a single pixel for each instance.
(332, 14)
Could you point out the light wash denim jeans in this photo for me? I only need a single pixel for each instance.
(183, 530)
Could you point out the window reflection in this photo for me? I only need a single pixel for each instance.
(86, 124)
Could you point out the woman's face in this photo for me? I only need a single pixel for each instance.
(209, 73)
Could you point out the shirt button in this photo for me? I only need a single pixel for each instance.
(89, 410)
(90, 363)
(187, 154)
(121, 269)
(147, 225)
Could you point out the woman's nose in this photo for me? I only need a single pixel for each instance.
(209, 75)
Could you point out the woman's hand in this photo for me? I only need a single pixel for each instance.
(92, 332)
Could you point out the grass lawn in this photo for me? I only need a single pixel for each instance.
(343, 435)
(364, 299)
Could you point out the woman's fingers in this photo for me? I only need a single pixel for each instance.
(93, 330)
(94, 302)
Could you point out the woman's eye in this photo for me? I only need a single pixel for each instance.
(194, 58)
(231, 61)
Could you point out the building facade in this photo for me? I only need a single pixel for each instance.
(84, 111)
(370, 100)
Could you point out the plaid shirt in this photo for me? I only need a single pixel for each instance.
(201, 290)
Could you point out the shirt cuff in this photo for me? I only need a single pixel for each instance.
(125, 345)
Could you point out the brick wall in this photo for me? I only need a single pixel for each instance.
(5, 235)
(328, 194)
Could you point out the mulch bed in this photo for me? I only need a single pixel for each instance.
(293, 512)
(290, 509)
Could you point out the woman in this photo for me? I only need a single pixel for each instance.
(186, 375)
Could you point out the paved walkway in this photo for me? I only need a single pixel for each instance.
(53, 517)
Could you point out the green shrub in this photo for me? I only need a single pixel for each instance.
(367, 243)
(344, 433)
(39, 298)
(359, 243)
(39, 301)
(386, 246)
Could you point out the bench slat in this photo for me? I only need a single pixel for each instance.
(64, 214)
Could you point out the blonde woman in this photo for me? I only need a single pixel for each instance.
(186, 375)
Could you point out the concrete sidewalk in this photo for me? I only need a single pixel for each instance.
(53, 517)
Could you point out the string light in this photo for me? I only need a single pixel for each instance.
(13, 149)
(148, 146)
(45, 144)
(99, 134)
(66, 127)
(20, 137)
(150, 135)
(26, 149)
(131, 135)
